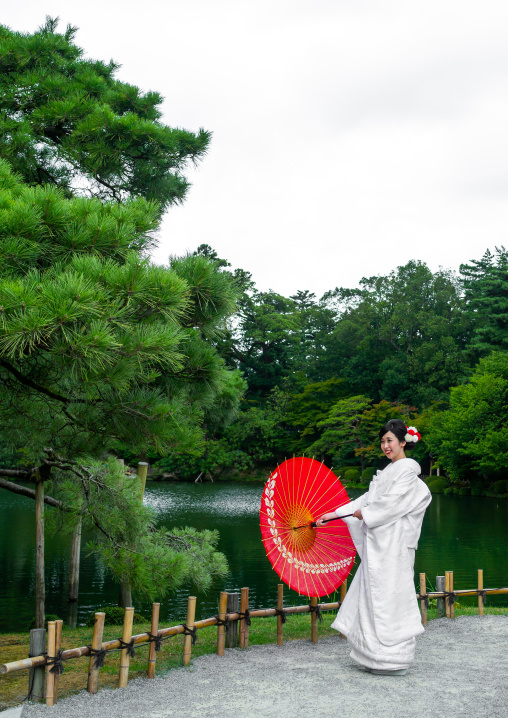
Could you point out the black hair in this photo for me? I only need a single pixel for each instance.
(397, 427)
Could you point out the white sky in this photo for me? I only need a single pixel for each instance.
(349, 136)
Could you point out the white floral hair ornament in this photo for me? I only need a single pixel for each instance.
(412, 435)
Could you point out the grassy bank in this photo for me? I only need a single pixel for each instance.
(14, 646)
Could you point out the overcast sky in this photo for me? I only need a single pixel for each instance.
(348, 136)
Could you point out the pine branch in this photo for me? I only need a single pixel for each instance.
(25, 491)
(28, 382)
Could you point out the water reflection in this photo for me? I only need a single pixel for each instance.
(459, 533)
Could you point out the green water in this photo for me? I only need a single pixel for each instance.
(459, 533)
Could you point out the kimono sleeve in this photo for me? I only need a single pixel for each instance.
(402, 498)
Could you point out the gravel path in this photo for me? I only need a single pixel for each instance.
(461, 669)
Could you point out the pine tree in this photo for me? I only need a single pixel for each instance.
(486, 288)
(67, 121)
(100, 350)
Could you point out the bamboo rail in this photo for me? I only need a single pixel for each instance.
(54, 656)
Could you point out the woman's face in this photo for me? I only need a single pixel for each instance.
(392, 447)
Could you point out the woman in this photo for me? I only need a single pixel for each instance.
(380, 616)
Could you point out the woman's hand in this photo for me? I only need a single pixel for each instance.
(358, 514)
(326, 517)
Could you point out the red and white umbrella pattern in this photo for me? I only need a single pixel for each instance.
(312, 561)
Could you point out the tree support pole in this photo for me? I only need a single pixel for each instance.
(40, 589)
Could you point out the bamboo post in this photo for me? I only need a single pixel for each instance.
(154, 631)
(36, 674)
(58, 648)
(232, 634)
(423, 601)
(223, 603)
(93, 672)
(343, 591)
(447, 588)
(123, 675)
(187, 640)
(142, 472)
(243, 640)
(480, 588)
(280, 606)
(313, 620)
(51, 651)
(441, 602)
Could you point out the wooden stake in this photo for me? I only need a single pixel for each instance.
(58, 647)
(93, 673)
(74, 562)
(313, 620)
(480, 588)
(447, 589)
(123, 675)
(232, 633)
(51, 651)
(244, 629)
(154, 631)
(36, 675)
(343, 591)
(423, 601)
(280, 606)
(441, 602)
(187, 640)
(223, 602)
(452, 605)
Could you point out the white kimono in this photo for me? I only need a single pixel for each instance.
(380, 616)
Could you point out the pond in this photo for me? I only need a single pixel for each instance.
(460, 533)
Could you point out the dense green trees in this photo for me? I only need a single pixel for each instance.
(324, 375)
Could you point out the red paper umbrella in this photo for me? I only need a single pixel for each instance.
(312, 561)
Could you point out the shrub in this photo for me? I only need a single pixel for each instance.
(446, 491)
(114, 616)
(340, 472)
(352, 476)
(438, 486)
(499, 487)
(49, 617)
(368, 474)
(476, 488)
(465, 491)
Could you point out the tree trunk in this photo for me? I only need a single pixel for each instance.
(40, 589)
(125, 595)
(74, 563)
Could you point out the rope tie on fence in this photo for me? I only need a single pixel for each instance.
(424, 597)
(157, 639)
(317, 611)
(483, 594)
(190, 632)
(282, 613)
(56, 662)
(100, 656)
(224, 622)
(450, 596)
(129, 647)
(245, 616)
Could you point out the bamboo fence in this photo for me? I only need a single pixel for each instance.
(51, 661)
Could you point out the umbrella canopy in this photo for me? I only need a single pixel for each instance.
(312, 561)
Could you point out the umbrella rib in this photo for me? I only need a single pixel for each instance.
(305, 496)
(321, 500)
(302, 493)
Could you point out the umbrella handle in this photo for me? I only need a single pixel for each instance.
(313, 523)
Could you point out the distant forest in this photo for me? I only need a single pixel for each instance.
(320, 376)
